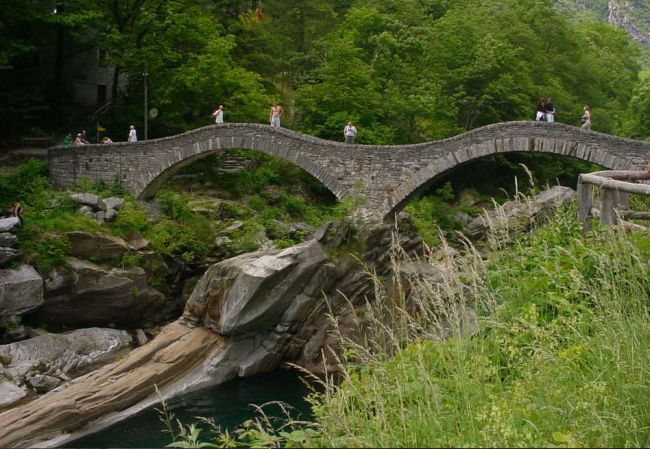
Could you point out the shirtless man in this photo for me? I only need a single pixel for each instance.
(276, 113)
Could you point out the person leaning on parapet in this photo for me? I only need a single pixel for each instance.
(106, 139)
(79, 140)
(67, 140)
(275, 114)
(549, 110)
(539, 113)
(218, 115)
(586, 118)
(349, 132)
(133, 135)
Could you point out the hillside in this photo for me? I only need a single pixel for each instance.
(632, 16)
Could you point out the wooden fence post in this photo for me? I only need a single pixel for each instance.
(607, 212)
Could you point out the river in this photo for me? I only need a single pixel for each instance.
(228, 404)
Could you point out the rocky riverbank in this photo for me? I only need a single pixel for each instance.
(246, 315)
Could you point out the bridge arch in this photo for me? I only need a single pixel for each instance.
(386, 176)
(608, 151)
(148, 183)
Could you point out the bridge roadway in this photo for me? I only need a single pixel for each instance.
(386, 177)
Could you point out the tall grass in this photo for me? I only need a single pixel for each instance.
(544, 345)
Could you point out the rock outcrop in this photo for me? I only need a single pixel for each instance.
(246, 315)
(98, 208)
(44, 362)
(515, 217)
(177, 351)
(8, 240)
(85, 294)
(21, 290)
(98, 246)
(251, 292)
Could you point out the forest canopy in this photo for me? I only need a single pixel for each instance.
(402, 70)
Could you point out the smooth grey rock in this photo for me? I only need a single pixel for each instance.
(56, 279)
(110, 214)
(252, 291)
(9, 223)
(141, 337)
(138, 242)
(100, 216)
(100, 297)
(7, 254)
(514, 217)
(43, 383)
(99, 245)
(234, 226)
(21, 290)
(556, 195)
(114, 203)
(61, 355)
(87, 211)
(10, 393)
(88, 199)
(8, 240)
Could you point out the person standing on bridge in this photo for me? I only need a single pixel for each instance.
(586, 118)
(549, 110)
(133, 135)
(349, 132)
(276, 113)
(218, 115)
(539, 115)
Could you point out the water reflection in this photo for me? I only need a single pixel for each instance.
(228, 404)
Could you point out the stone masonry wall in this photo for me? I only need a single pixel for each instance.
(387, 176)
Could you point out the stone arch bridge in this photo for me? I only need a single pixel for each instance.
(386, 176)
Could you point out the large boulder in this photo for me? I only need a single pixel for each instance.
(7, 224)
(88, 199)
(93, 296)
(10, 393)
(44, 362)
(98, 246)
(515, 217)
(252, 291)
(114, 203)
(21, 290)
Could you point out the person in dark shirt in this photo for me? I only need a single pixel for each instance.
(549, 110)
(539, 116)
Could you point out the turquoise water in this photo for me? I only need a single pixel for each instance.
(228, 404)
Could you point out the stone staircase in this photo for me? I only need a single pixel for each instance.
(231, 163)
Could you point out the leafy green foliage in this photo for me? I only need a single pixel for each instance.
(558, 359)
(433, 213)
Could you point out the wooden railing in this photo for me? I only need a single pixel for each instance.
(616, 187)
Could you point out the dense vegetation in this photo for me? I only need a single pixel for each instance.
(557, 358)
(269, 197)
(404, 71)
(544, 345)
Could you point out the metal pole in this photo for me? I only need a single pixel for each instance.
(146, 112)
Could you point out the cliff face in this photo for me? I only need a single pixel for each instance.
(633, 17)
